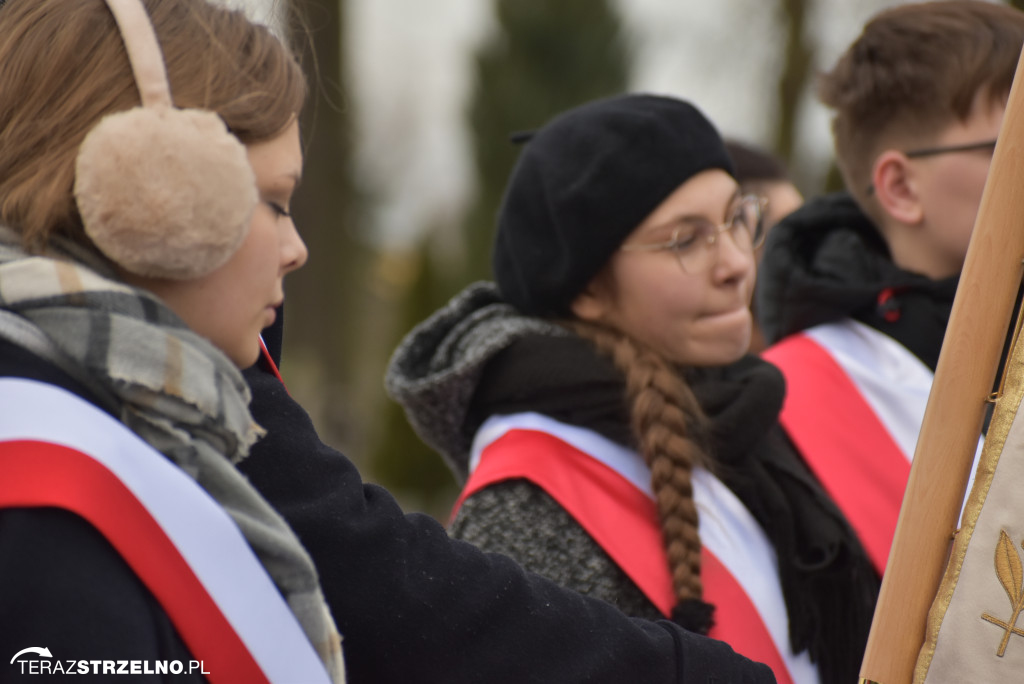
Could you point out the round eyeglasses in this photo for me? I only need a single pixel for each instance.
(695, 239)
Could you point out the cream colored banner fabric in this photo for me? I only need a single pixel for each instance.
(976, 627)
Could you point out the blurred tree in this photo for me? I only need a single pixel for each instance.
(547, 57)
(1019, 4)
(796, 70)
(399, 460)
(319, 340)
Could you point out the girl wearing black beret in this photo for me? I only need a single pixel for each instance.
(598, 402)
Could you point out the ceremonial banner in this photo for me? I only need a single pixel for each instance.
(973, 633)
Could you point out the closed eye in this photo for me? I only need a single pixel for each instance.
(278, 210)
(689, 234)
(683, 241)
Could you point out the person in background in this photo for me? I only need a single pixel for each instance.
(761, 173)
(615, 436)
(856, 287)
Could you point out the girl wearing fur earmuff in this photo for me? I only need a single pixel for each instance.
(598, 402)
(148, 155)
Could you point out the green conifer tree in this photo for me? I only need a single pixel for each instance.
(320, 338)
(549, 57)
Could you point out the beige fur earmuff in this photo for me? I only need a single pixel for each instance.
(163, 192)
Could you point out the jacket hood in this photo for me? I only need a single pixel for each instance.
(821, 263)
(827, 262)
(435, 370)
(478, 356)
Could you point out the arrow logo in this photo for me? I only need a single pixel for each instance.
(33, 649)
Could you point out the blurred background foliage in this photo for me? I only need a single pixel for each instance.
(532, 72)
(356, 298)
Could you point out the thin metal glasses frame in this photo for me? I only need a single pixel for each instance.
(757, 233)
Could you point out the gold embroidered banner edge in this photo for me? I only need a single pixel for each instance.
(1005, 412)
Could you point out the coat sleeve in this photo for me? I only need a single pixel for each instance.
(414, 605)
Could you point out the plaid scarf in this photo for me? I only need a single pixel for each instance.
(167, 384)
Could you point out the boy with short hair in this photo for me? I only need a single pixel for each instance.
(856, 288)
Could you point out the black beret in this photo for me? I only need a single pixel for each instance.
(583, 183)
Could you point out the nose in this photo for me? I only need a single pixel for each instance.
(293, 250)
(734, 260)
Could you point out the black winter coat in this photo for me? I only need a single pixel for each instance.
(65, 588)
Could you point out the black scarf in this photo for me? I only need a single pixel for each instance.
(828, 583)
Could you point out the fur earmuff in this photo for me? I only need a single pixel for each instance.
(164, 192)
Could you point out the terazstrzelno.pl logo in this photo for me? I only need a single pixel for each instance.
(39, 661)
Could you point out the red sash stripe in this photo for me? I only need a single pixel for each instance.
(736, 620)
(41, 474)
(843, 441)
(621, 519)
(624, 522)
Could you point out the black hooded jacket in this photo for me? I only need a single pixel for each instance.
(827, 262)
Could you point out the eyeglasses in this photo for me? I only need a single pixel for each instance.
(694, 240)
(985, 145)
(989, 145)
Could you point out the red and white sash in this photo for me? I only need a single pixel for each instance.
(855, 399)
(57, 450)
(606, 489)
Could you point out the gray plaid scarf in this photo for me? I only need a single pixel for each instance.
(170, 386)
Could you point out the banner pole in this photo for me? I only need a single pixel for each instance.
(964, 379)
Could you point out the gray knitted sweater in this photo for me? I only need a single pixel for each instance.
(433, 374)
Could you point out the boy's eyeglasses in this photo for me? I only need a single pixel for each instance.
(986, 145)
(694, 240)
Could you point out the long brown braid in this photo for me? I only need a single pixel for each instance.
(665, 418)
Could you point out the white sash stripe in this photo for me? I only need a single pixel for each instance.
(729, 531)
(726, 528)
(617, 457)
(205, 535)
(894, 382)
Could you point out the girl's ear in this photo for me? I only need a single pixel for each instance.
(591, 304)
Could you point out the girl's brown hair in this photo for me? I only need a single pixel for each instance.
(669, 427)
(63, 66)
